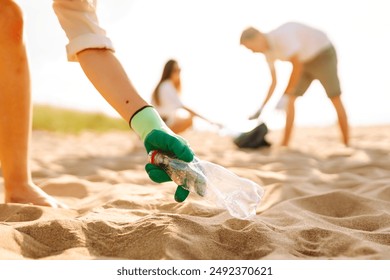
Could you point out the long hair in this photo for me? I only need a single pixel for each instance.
(166, 75)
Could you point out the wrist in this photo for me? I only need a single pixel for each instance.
(145, 120)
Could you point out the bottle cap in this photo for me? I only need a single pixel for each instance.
(152, 155)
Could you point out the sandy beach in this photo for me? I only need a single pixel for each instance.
(322, 200)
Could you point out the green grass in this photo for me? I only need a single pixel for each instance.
(62, 120)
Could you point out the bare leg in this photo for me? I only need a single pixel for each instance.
(342, 117)
(182, 122)
(181, 125)
(290, 115)
(15, 111)
(108, 76)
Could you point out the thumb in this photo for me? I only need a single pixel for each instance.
(181, 194)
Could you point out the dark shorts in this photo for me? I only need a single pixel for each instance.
(323, 68)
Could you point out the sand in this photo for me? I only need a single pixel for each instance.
(322, 201)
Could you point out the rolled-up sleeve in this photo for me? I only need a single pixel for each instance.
(79, 20)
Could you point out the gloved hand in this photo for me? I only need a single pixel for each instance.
(283, 102)
(157, 136)
(256, 115)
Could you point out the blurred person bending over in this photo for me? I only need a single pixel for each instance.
(312, 56)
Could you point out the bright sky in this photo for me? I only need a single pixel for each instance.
(221, 79)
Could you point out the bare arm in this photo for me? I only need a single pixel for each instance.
(194, 113)
(270, 91)
(200, 116)
(108, 76)
(295, 75)
(272, 86)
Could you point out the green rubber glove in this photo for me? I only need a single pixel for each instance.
(157, 136)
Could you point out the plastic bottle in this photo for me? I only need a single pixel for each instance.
(239, 196)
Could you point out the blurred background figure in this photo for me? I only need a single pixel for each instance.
(166, 99)
(312, 56)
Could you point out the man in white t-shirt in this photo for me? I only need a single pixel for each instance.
(313, 57)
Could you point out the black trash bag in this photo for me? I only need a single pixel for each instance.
(254, 138)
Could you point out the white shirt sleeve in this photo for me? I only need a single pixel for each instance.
(291, 45)
(297, 39)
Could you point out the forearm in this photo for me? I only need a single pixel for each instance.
(292, 82)
(269, 94)
(194, 113)
(108, 76)
(272, 86)
(295, 76)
